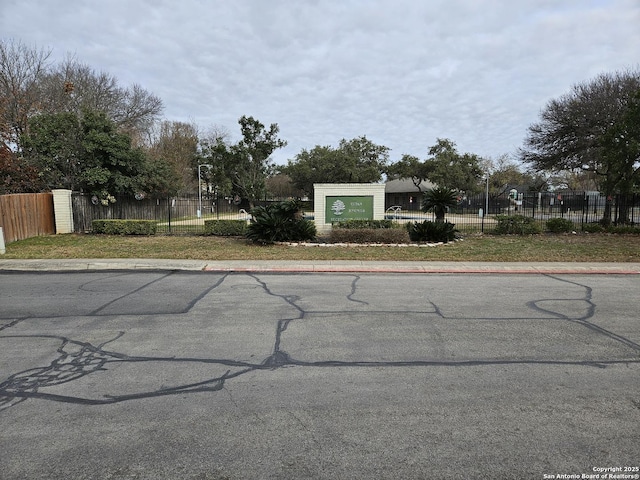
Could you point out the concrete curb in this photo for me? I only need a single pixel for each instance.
(337, 266)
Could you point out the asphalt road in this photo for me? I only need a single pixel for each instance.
(200, 375)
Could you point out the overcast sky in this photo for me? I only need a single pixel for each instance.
(401, 72)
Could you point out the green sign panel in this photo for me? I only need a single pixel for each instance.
(338, 209)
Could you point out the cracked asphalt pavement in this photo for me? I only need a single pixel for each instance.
(165, 374)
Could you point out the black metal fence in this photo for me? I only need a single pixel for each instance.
(478, 213)
(186, 215)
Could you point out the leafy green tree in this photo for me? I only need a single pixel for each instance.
(411, 167)
(321, 164)
(16, 175)
(448, 168)
(354, 161)
(244, 166)
(89, 154)
(214, 152)
(621, 145)
(109, 165)
(591, 128)
(371, 159)
(445, 167)
(438, 200)
(158, 178)
(54, 146)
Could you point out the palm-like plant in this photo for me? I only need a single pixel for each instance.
(280, 222)
(438, 200)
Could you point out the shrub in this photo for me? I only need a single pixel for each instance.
(225, 227)
(624, 229)
(439, 200)
(368, 235)
(619, 229)
(429, 231)
(368, 224)
(516, 224)
(593, 228)
(560, 225)
(124, 227)
(280, 222)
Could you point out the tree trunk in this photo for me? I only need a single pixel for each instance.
(622, 202)
(606, 216)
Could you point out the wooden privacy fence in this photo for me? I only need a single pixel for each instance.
(24, 215)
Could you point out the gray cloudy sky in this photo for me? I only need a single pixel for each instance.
(401, 72)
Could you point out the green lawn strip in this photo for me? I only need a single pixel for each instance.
(480, 248)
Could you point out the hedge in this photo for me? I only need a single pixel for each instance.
(124, 227)
(623, 229)
(368, 235)
(228, 228)
(429, 231)
(560, 225)
(365, 224)
(619, 229)
(516, 224)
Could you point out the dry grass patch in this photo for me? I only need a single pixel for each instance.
(480, 248)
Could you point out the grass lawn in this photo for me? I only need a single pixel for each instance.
(479, 248)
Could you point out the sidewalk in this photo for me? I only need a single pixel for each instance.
(337, 266)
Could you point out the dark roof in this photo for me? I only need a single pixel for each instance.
(406, 185)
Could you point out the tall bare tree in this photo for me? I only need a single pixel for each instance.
(21, 68)
(176, 143)
(30, 84)
(73, 86)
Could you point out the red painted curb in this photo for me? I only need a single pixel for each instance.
(325, 269)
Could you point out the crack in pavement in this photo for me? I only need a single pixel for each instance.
(77, 359)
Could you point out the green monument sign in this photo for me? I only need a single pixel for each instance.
(340, 208)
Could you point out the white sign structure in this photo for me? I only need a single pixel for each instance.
(368, 199)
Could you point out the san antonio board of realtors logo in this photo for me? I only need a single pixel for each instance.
(338, 207)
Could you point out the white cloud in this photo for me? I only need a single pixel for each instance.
(401, 72)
